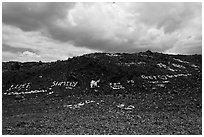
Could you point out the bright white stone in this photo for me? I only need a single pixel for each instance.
(178, 66)
(94, 83)
(130, 107)
(180, 60)
(161, 65)
(121, 105)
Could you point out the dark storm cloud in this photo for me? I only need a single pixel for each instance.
(33, 15)
(119, 27)
(170, 16)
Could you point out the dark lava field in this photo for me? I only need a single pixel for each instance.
(144, 93)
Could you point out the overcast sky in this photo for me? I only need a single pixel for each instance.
(56, 31)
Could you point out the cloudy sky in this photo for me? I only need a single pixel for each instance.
(56, 31)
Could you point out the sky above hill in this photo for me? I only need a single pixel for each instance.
(56, 31)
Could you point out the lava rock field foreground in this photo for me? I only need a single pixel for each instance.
(103, 115)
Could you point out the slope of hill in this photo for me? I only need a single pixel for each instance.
(115, 73)
(101, 85)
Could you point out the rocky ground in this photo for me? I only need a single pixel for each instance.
(104, 93)
(108, 114)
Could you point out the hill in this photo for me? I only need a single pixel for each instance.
(104, 93)
(116, 74)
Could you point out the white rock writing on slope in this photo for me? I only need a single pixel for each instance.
(80, 104)
(116, 85)
(193, 65)
(94, 83)
(164, 77)
(173, 70)
(26, 92)
(180, 60)
(121, 105)
(161, 65)
(178, 66)
(153, 82)
(112, 54)
(19, 86)
(130, 107)
(67, 84)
